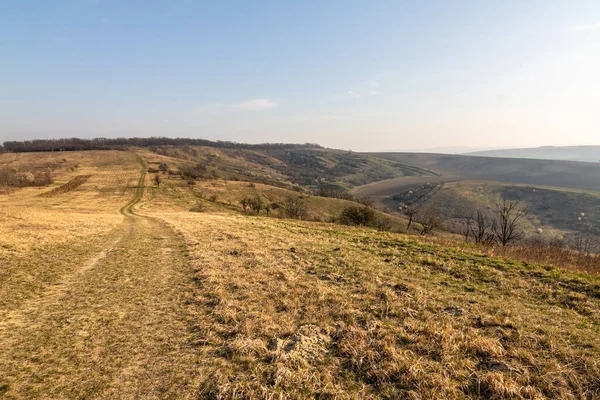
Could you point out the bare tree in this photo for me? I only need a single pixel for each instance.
(585, 243)
(481, 230)
(506, 227)
(468, 226)
(294, 208)
(246, 204)
(411, 213)
(430, 220)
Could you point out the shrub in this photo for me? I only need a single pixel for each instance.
(192, 172)
(11, 177)
(199, 207)
(354, 215)
(252, 205)
(293, 207)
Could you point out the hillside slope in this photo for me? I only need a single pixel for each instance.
(145, 299)
(567, 174)
(308, 167)
(565, 153)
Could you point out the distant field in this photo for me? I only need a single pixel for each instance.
(390, 187)
(567, 174)
(572, 153)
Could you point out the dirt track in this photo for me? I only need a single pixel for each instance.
(117, 327)
(67, 187)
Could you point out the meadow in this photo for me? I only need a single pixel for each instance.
(115, 289)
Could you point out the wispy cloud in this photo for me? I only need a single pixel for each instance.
(340, 117)
(368, 88)
(353, 94)
(248, 105)
(583, 28)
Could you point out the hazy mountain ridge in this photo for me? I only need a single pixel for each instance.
(563, 153)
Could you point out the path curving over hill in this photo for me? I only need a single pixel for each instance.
(117, 327)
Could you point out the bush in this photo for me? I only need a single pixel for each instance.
(293, 207)
(252, 205)
(11, 177)
(192, 172)
(163, 167)
(354, 215)
(199, 207)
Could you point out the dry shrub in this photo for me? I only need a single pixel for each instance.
(199, 207)
(354, 215)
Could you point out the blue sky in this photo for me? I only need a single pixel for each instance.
(365, 75)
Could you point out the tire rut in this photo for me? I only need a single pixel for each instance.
(117, 328)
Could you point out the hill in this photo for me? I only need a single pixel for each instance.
(307, 167)
(566, 174)
(112, 287)
(552, 212)
(565, 153)
(281, 164)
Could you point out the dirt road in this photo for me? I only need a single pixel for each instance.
(118, 327)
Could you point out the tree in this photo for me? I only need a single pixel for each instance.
(585, 243)
(468, 227)
(294, 208)
(157, 179)
(507, 225)
(256, 204)
(480, 228)
(430, 220)
(411, 213)
(163, 167)
(245, 203)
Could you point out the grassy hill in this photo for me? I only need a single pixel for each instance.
(557, 212)
(566, 174)
(113, 288)
(308, 167)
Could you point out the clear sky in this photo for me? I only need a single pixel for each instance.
(362, 75)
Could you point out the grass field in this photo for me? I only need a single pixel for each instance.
(114, 289)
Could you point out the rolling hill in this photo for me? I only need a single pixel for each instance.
(564, 153)
(112, 287)
(566, 174)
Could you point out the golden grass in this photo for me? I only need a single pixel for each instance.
(173, 304)
(296, 310)
(39, 238)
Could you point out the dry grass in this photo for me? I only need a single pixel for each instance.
(296, 310)
(40, 238)
(175, 304)
(94, 299)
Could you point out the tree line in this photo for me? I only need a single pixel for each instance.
(76, 144)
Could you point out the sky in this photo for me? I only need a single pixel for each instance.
(363, 75)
